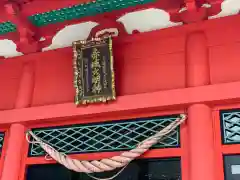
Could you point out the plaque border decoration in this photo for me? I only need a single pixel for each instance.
(77, 67)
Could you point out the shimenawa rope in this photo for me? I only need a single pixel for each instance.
(107, 164)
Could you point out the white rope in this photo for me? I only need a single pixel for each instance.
(108, 164)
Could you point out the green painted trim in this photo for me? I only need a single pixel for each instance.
(83, 10)
(74, 12)
(7, 27)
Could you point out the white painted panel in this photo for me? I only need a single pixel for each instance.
(147, 20)
(8, 48)
(229, 7)
(71, 33)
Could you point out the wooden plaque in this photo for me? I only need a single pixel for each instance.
(93, 71)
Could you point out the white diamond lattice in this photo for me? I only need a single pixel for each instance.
(231, 126)
(103, 137)
(1, 141)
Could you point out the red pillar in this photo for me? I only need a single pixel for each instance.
(12, 159)
(197, 63)
(13, 156)
(25, 90)
(201, 146)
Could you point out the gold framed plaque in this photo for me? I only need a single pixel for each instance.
(94, 78)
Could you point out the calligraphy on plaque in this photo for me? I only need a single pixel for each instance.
(93, 71)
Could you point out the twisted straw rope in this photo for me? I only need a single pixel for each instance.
(106, 164)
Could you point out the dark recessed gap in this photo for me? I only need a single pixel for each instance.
(144, 169)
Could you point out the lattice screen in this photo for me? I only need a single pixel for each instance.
(1, 141)
(104, 137)
(230, 121)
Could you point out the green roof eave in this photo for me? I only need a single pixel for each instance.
(83, 10)
(74, 12)
(7, 27)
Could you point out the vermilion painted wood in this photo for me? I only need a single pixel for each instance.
(13, 156)
(129, 104)
(23, 166)
(158, 153)
(53, 80)
(26, 86)
(118, 116)
(164, 67)
(201, 145)
(197, 60)
(37, 5)
(49, 31)
(231, 149)
(172, 7)
(160, 90)
(220, 149)
(227, 106)
(184, 150)
(200, 132)
(10, 77)
(219, 166)
(4, 148)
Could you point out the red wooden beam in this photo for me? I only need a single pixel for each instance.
(155, 153)
(161, 100)
(230, 149)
